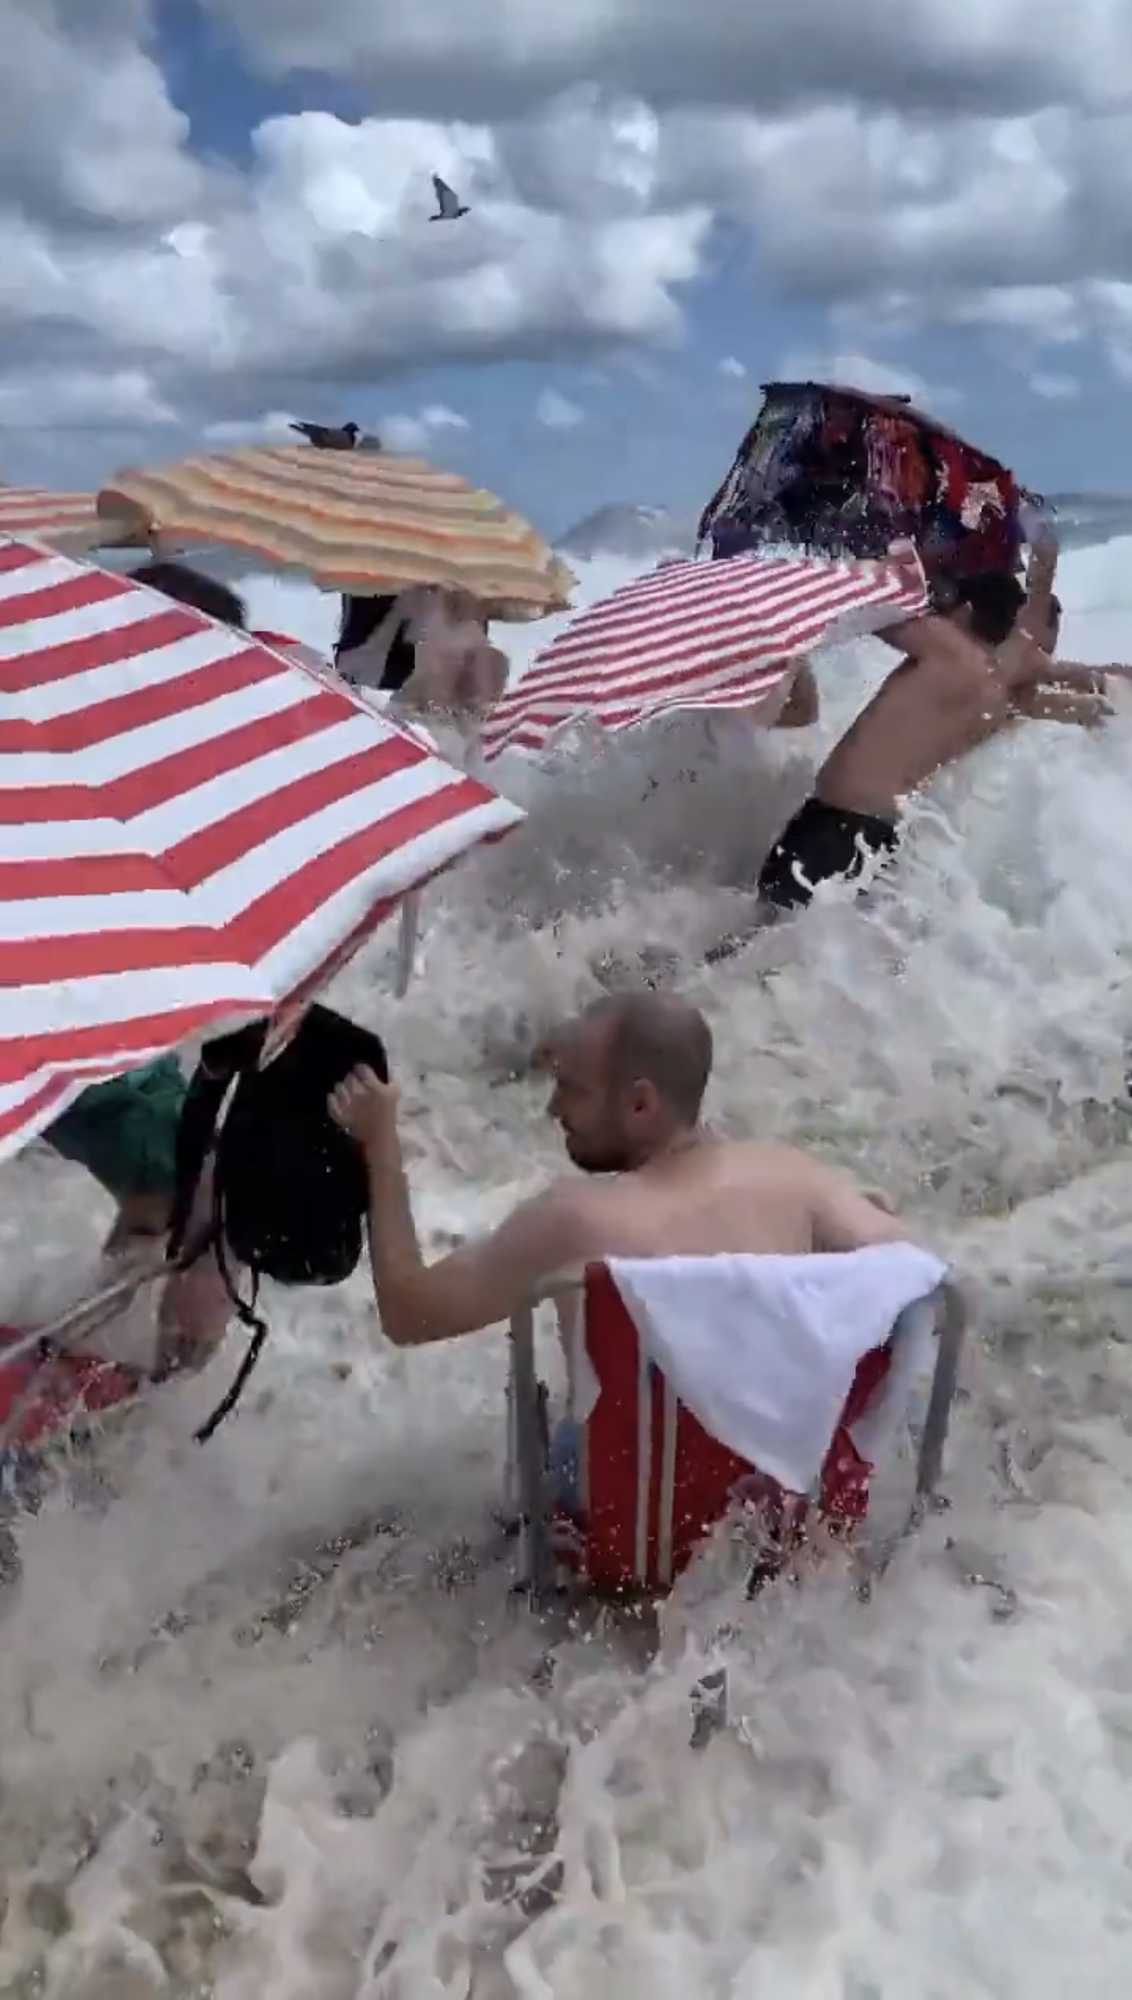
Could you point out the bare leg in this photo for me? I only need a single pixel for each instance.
(195, 1308)
(140, 1218)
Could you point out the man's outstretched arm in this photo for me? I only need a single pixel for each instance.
(802, 707)
(477, 1285)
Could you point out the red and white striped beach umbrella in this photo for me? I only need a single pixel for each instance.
(697, 635)
(193, 829)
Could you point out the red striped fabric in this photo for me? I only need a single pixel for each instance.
(192, 829)
(697, 635)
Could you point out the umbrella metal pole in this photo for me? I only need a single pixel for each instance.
(407, 943)
(83, 1318)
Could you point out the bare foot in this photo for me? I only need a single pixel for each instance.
(195, 1307)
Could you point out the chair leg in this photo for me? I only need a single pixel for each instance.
(536, 1573)
(952, 1329)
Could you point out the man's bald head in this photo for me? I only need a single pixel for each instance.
(659, 1039)
(631, 1075)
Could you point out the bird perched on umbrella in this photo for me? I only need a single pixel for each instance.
(449, 207)
(327, 437)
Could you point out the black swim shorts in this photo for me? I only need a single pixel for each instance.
(821, 844)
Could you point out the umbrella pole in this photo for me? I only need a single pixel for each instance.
(407, 944)
(84, 1318)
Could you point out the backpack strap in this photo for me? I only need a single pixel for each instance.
(245, 1310)
(221, 1062)
(196, 1131)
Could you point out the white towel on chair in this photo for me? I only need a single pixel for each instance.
(763, 1350)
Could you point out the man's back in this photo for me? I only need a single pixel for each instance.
(715, 1197)
(924, 716)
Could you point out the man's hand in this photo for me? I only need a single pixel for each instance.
(1087, 711)
(366, 1108)
(1044, 552)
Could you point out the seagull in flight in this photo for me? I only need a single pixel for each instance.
(449, 207)
(327, 438)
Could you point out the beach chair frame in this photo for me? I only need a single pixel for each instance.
(66, 1334)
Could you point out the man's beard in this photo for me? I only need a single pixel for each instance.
(601, 1159)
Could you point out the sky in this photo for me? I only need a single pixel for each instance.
(214, 217)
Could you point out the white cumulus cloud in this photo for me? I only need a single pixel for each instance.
(1055, 388)
(413, 435)
(557, 412)
(861, 371)
(892, 166)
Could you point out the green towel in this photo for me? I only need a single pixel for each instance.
(124, 1131)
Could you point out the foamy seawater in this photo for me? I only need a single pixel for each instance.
(271, 1724)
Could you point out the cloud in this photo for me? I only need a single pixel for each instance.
(980, 56)
(88, 133)
(85, 399)
(272, 428)
(1055, 388)
(860, 371)
(913, 153)
(413, 435)
(316, 263)
(892, 166)
(557, 412)
(732, 369)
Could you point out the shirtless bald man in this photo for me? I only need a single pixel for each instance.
(970, 670)
(629, 1081)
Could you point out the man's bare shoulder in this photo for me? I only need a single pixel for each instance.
(575, 1221)
(933, 644)
(803, 1174)
(756, 1160)
(566, 1213)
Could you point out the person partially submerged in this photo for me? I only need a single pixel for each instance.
(971, 669)
(630, 1075)
(428, 649)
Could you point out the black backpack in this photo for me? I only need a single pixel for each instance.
(289, 1186)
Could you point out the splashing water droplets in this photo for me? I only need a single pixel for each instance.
(272, 1724)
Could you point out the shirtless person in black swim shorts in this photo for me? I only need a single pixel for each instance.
(970, 670)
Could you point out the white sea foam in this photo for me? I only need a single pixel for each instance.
(269, 1730)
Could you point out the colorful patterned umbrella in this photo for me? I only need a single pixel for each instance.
(193, 829)
(361, 522)
(697, 635)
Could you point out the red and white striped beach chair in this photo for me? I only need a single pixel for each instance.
(653, 1483)
(49, 1381)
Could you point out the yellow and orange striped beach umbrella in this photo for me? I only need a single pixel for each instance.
(366, 522)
